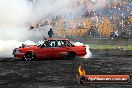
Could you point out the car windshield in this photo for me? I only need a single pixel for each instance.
(40, 43)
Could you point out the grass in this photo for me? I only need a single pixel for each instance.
(96, 46)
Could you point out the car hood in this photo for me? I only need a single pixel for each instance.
(28, 46)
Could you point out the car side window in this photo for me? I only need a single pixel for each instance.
(56, 43)
(69, 44)
(61, 43)
(47, 44)
(53, 43)
(64, 43)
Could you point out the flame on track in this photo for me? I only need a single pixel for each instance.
(81, 71)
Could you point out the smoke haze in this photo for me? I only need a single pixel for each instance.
(14, 21)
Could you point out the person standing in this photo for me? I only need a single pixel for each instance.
(50, 32)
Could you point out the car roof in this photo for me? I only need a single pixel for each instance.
(57, 39)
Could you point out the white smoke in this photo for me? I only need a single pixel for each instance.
(88, 55)
(14, 21)
(14, 16)
(46, 8)
(96, 4)
(6, 47)
(49, 8)
(14, 12)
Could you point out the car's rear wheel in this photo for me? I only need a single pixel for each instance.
(29, 56)
(71, 55)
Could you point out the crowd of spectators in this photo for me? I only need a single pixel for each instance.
(117, 12)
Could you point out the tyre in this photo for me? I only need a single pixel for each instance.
(71, 55)
(29, 56)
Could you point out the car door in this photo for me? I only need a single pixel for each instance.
(45, 51)
(60, 50)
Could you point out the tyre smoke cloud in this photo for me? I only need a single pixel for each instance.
(14, 21)
(65, 8)
(89, 54)
(7, 46)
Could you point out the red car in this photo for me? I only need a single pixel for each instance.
(50, 48)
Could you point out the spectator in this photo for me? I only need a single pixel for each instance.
(47, 44)
(50, 33)
(114, 34)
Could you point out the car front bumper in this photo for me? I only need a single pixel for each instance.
(20, 55)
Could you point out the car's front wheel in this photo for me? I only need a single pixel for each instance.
(29, 56)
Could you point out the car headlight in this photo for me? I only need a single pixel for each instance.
(16, 51)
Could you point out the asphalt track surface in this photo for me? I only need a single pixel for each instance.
(61, 73)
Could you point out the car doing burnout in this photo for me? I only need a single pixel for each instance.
(50, 48)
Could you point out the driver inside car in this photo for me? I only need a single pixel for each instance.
(47, 44)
